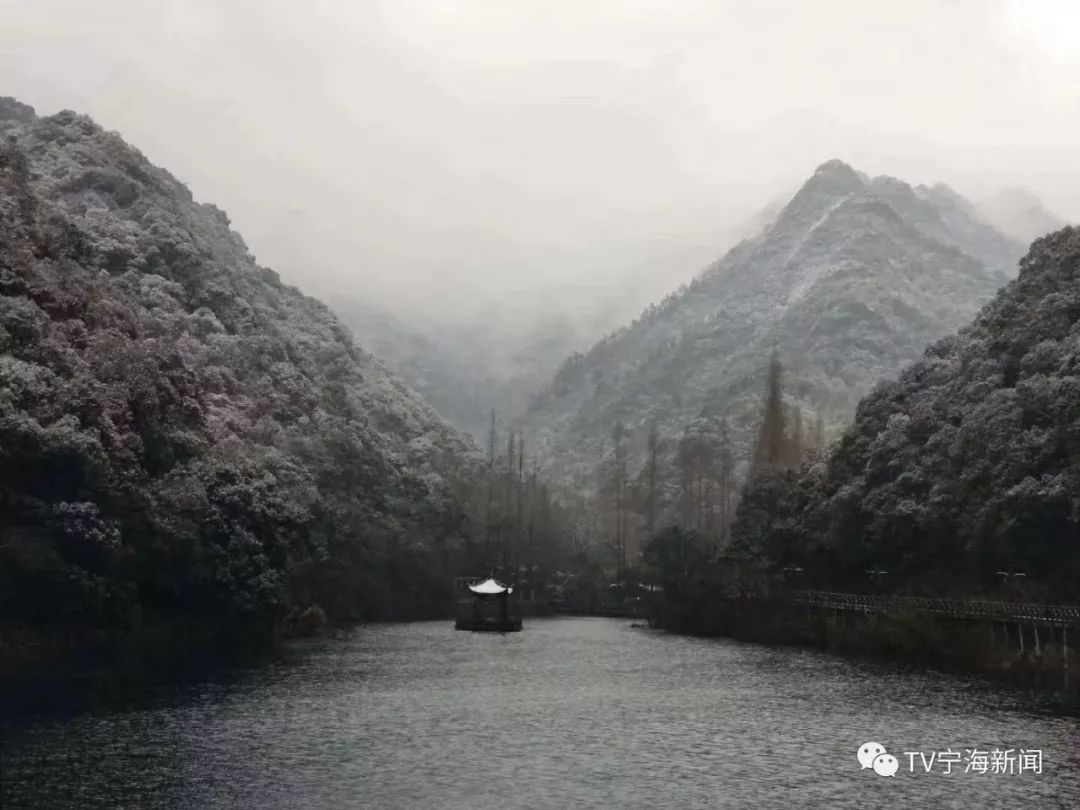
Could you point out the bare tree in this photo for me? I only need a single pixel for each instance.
(725, 475)
(797, 444)
(519, 520)
(618, 436)
(488, 523)
(506, 524)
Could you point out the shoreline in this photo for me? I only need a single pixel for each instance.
(908, 640)
(113, 669)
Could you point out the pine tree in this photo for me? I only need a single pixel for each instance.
(769, 451)
(651, 471)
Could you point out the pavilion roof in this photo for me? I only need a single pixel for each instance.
(490, 587)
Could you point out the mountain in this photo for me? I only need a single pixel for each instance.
(852, 279)
(963, 466)
(466, 368)
(182, 434)
(1020, 214)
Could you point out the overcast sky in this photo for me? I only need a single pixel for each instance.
(444, 150)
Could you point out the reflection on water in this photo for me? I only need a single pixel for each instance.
(569, 713)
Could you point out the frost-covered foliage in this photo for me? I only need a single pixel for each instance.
(854, 278)
(966, 465)
(181, 433)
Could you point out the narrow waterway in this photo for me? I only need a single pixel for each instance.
(570, 713)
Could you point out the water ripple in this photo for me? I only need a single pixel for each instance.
(578, 713)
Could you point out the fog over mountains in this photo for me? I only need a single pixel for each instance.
(849, 278)
(397, 396)
(452, 160)
(854, 278)
(226, 445)
(1020, 214)
(466, 369)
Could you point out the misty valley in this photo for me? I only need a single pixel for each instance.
(796, 525)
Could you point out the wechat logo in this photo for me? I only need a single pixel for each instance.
(873, 755)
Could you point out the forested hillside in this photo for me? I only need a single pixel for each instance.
(853, 278)
(962, 472)
(181, 434)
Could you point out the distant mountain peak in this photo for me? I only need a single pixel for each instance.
(14, 110)
(837, 167)
(854, 278)
(943, 193)
(837, 176)
(831, 183)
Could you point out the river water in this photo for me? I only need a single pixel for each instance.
(570, 713)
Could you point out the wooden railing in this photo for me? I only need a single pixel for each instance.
(1057, 615)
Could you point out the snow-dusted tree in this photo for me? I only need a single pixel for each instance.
(772, 448)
